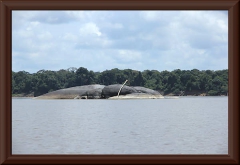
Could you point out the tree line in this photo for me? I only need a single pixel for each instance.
(176, 82)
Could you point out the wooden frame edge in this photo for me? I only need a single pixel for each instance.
(5, 96)
(233, 64)
(3, 92)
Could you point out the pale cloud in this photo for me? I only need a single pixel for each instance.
(89, 29)
(45, 36)
(100, 40)
(51, 17)
(70, 37)
(112, 25)
(25, 33)
(128, 56)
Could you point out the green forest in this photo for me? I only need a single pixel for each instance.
(177, 82)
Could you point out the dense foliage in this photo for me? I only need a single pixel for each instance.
(177, 82)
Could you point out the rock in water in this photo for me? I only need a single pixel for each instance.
(112, 90)
(146, 90)
(73, 92)
(94, 93)
(101, 91)
(138, 96)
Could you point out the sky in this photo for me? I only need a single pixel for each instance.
(103, 40)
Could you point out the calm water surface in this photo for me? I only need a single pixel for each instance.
(188, 125)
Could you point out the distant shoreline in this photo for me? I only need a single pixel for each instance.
(202, 94)
(163, 96)
(168, 83)
(31, 95)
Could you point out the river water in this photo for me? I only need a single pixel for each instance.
(188, 125)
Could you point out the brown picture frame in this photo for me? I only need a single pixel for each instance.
(6, 6)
